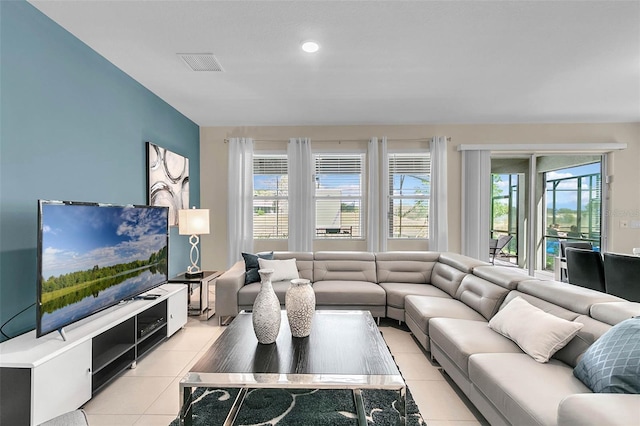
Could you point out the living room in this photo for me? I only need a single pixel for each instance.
(74, 126)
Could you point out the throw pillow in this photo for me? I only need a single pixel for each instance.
(282, 269)
(251, 266)
(539, 334)
(612, 363)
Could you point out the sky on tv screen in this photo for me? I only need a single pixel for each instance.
(79, 237)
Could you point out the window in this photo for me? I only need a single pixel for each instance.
(270, 197)
(504, 210)
(338, 195)
(409, 191)
(573, 204)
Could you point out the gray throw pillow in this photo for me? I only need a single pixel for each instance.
(251, 265)
(612, 363)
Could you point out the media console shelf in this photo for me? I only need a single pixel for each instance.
(43, 378)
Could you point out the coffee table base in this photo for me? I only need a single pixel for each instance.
(186, 416)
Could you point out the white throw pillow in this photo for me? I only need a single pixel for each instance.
(282, 269)
(538, 333)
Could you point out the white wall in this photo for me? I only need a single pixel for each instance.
(623, 165)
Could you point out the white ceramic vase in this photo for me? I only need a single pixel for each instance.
(300, 302)
(266, 310)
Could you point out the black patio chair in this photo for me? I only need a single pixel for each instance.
(585, 268)
(585, 245)
(622, 276)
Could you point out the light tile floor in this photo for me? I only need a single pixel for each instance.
(148, 395)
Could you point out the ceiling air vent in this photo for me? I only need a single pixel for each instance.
(201, 61)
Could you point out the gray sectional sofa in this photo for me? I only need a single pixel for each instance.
(447, 301)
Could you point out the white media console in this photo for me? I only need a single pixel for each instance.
(43, 378)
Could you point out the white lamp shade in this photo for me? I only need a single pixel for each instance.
(193, 221)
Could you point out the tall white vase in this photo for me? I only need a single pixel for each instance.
(300, 302)
(266, 310)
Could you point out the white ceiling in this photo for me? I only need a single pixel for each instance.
(381, 62)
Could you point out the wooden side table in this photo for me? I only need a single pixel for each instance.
(202, 303)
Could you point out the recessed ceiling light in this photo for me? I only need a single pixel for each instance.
(310, 46)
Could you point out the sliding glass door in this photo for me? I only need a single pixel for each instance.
(573, 207)
(542, 200)
(504, 212)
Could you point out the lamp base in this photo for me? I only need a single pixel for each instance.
(194, 274)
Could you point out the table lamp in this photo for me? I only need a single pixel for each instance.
(194, 222)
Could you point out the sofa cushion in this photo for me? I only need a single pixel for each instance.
(283, 270)
(586, 336)
(537, 333)
(526, 392)
(548, 307)
(569, 296)
(598, 409)
(405, 266)
(396, 292)
(251, 265)
(344, 266)
(615, 312)
(612, 363)
(505, 277)
(447, 278)
(422, 308)
(304, 261)
(589, 333)
(461, 262)
(460, 338)
(358, 293)
(481, 295)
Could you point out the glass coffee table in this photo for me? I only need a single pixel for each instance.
(344, 351)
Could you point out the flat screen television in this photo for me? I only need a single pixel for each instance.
(92, 256)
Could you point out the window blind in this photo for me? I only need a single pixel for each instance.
(338, 195)
(409, 193)
(270, 191)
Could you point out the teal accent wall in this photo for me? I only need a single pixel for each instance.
(72, 127)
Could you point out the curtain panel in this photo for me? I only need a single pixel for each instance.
(301, 195)
(377, 195)
(476, 208)
(240, 199)
(438, 220)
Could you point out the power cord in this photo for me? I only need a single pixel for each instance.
(12, 318)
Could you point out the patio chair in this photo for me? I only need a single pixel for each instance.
(622, 276)
(584, 245)
(496, 246)
(585, 268)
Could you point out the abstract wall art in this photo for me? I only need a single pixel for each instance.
(168, 180)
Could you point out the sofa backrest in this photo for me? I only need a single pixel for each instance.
(615, 312)
(304, 261)
(412, 267)
(344, 266)
(569, 296)
(592, 329)
(461, 262)
(481, 295)
(447, 278)
(572, 303)
(505, 277)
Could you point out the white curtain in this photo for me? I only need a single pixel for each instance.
(240, 199)
(373, 196)
(476, 198)
(438, 216)
(377, 195)
(301, 195)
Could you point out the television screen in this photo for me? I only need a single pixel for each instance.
(93, 256)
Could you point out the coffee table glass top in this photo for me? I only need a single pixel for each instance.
(345, 350)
